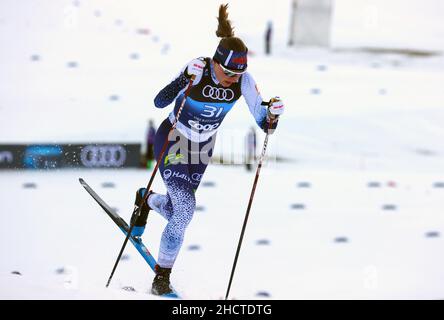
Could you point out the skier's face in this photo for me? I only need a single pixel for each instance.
(224, 79)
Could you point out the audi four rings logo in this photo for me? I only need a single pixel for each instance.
(167, 174)
(204, 127)
(103, 156)
(218, 93)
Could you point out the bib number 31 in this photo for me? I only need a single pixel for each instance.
(211, 111)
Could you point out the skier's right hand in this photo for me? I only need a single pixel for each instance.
(194, 68)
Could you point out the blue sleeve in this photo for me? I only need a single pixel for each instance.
(171, 91)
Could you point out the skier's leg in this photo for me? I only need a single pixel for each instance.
(182, 176)
(180, 195)
(164, 210)
(182, 180)
(200, 156)
(159, 202)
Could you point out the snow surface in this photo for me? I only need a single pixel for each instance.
(352, 118)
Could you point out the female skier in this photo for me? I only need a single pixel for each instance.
(218, 84)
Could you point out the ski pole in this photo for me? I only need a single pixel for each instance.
(264, 148)
(137, 209)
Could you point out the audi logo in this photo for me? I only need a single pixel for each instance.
(103, 156)
(217, 93)
(206, 127)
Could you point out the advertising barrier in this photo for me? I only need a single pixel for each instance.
(52, 156)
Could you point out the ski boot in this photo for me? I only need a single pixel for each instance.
(140, 221)
(161, 282)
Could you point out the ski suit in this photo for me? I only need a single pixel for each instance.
(191, 144)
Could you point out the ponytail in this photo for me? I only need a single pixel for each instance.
(224, 28)
(231, 51)
(226, 32)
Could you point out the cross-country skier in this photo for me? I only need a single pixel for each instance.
(218, 83)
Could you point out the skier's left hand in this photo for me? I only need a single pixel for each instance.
(275, 108)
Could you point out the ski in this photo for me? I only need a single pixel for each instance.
(124, 227)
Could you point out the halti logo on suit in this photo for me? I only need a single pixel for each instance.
(168, 174)
(217, 93)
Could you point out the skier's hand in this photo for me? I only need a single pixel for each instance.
(194, 68)
(275, 108)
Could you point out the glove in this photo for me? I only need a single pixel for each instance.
(275, 108)
(194, 68)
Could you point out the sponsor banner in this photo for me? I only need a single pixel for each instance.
(49, 156)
